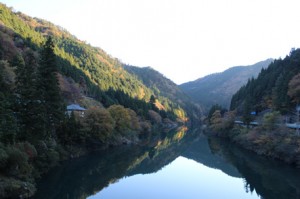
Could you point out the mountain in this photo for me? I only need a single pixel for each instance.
(276, 87)
(43, 68)
(94, 73)
(164, 87)
(218, 88)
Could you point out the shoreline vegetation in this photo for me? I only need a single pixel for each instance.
(24, 164)
(270, 138)
(264, 113)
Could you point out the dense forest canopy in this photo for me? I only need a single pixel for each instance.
(270, 90)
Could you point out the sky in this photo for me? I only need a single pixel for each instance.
(182, 39)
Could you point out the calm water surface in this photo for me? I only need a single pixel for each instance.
(174, 165)
(183, 178)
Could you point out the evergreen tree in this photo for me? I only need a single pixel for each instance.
(29, 107)
(8, 127)
(49, 87)
(247, 117)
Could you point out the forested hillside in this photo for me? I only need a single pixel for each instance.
(166, 89)
(101, 76)
(274, 88)
(218, 88)
(264, 115)
(43, 68)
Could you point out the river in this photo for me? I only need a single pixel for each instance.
(178, 164)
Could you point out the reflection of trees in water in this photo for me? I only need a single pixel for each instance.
(165, 151)
(202, 152)
(269, 178)
(88, 175)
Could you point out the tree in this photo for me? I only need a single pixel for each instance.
(121, 117)
(247, 117)
(213, 109)
(8, 127)
(155, 117)
(270, 120)
(98, 123)
(134, 120)
(216, 120)
(71, 131)
(49, 87)
(29, 107)
(294, 88)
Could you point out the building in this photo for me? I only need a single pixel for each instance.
(76, 109)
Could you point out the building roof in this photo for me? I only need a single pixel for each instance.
(75, 107)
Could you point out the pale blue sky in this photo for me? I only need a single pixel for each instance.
(183, 39)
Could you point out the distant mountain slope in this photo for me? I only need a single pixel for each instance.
(164, 87)
(218, 88)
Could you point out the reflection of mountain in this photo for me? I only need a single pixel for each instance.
(164, 152)
(200, 151)
(85, 176)
(269, 178)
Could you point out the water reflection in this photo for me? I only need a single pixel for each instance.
(80, 178)
(269, 178)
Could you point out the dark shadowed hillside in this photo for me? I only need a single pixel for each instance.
(218, 88)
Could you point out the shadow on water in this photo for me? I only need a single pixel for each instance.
(85, 176)
(82, 177)
(269, 178)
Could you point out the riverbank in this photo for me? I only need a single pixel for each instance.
(24, 164)
(279, 143)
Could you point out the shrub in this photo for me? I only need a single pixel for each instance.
(17, 162)
(27, 148)
(271, 120)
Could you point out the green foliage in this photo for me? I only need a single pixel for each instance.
(14, 21)
(33, 128)
(270, 88)
(121, 117)
(99, 124)
(176, 104)
(49, 87)
(70, 132)
(47, 156)
(105, 78)
(271, 120)
(8, 125)
(17, 162)
(247, 117)
(28, 106)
